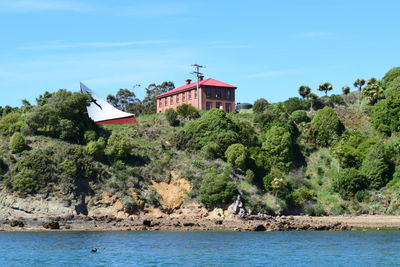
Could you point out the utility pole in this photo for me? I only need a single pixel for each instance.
(198, 74)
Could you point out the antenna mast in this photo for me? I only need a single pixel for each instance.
(198, 74)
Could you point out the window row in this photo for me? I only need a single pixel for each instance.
(218, 93)
(210, 105)
(177, 98)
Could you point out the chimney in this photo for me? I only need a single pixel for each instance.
(201, 78)
(188, 81)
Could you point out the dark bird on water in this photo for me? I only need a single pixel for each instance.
(94, 250)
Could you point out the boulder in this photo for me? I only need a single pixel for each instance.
(54, 225)
(16, 223)
(259, 228)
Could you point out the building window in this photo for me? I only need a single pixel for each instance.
(195, 94)
(184, 97)
(228, 93)
(177, 98)
(218, 93)
(160, 103)
(208, 105)
(172, 100)
(190, 95)
(208, 92)
(218, 105)
(227, 107)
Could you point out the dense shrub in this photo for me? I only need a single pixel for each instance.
(236, 156)
(391, 75)
(352, 148)
(376, 167)
(119, 146)
(348, 182)
(217, 127)
(90, 135)
(386, 113)
(187, 112)
(271, 114)
(17, 143)
(24, 181)
(302, 195)
(184, 140)
(278, 145)
(96, 148)
(11, 123)
(62, 115)
(217, 189)
(172, 117)
(326, 126)
(277, 183)
(260, 105)
(295, 103)
(299, 116)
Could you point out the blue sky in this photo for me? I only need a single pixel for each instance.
(266, 48)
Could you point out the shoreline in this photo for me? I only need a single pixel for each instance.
(144, 223)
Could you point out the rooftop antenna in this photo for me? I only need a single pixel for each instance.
(198, 74)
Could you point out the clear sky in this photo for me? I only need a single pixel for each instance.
(265, 48)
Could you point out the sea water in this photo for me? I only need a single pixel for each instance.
(351, 248)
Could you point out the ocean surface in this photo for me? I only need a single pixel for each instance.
(370, 248)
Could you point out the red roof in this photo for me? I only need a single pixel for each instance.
(186, 87)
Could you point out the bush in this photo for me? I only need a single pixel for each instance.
(278, 145)
(260, 105)
(236, 156)
(96, 148)
(250, 176)
(90, 135)
(302, 195)
(293, 104)
(348, 182)
(217, 189)
(391, 75)
(299, 116)
(17, 143)
(187, 112)
(276, 182)
(119, 146)
(10, 123)
(326, 126)
(172, 117)
(271, 114)
(217, 127)
(386, 113)
(24, 181)
(376, 167)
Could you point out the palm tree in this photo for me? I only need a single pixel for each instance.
(359, 83)
(346, 90)
(313, 97)
(304, 91)
(325, 87)
(373, 90)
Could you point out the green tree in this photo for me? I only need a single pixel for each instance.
(376, 167)
(386, 113)
(127, 101)
(390, 76)
(215, 127)
(373, 91)
(276, 182)
(217, 189)
(346, 90)
(96, 148)
(299, 116)
(260, 105)
(10, 123)
(278, 145)
(325, 87)
(348, 182)
(304, 91)
(149, 102)
(17, 143)
(326, 126)
(236, 155)
(313, 98)
(359, 83)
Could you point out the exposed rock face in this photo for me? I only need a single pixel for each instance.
(54, 225)
(172, 194)
(16, 223)
(259, 228)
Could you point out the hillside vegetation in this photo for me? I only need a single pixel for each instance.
(329, 155)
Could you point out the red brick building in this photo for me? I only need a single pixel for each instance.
(212, 94)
